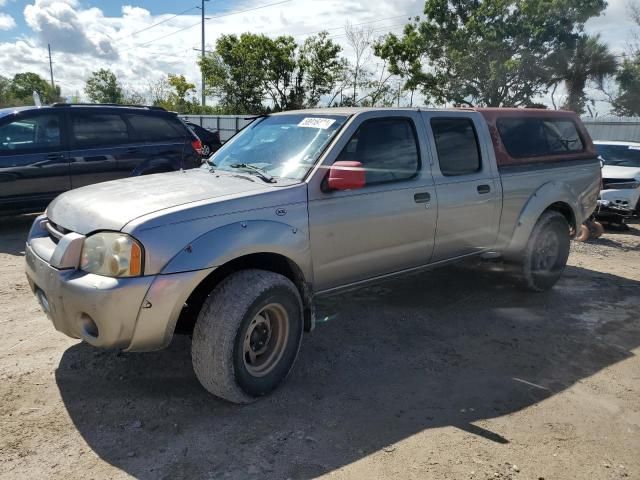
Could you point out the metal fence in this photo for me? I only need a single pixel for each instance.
(614, 128)
(227, 125)
(600, 128)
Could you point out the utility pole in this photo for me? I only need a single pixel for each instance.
(202, 53)
(53, 86)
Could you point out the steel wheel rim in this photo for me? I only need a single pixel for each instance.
(548, 252)
(265, 340)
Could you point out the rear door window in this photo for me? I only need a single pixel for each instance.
(457, 146)
(94, 130)
(150, 128)
(534, 137)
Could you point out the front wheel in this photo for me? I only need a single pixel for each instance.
(546, 253)
(247, 335)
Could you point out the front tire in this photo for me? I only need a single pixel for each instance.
(247, 335)
(546, 253)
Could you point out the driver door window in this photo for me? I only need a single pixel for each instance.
(33, 134)
(386, 148)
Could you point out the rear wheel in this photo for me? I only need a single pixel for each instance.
(247, 335)
(546, 253)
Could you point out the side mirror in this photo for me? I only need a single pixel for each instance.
(346, 175)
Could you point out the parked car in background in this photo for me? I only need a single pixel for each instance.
(620, 175)
(51, 149)
(210, 138)
(301, 204)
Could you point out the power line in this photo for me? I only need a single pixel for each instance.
(210, 18)
(159, 23)
(406, 15)
(354, 25)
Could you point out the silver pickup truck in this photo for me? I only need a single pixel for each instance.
(299, 204)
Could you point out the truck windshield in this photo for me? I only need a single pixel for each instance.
(284, 146)
(621, 155)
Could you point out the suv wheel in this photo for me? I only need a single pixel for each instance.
(546, 253)
(247, 335)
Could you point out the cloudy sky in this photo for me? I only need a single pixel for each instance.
(128, 37)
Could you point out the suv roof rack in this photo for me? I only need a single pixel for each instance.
(64, 104)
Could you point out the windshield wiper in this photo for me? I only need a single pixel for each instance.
(260, 172)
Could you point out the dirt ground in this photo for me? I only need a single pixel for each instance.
(452, 374)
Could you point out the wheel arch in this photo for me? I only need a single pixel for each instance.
(269, 261)
(552, 196)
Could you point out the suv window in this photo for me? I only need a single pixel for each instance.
(98, 129)
(387, 149)
(30, 134)
(151, 128)
(533, 137)
(457, 146)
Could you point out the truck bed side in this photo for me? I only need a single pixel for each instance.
(529, 190)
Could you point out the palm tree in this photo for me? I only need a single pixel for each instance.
(585, 60)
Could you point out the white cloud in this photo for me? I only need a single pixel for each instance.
(6, 21)
(60, 23)
(84, 39)
(614, 26)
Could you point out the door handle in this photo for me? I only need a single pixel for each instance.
(55, 156)
(133, 150)
(422, 197)
(483, 189)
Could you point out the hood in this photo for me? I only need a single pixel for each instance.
(111, 205)
(615, 171)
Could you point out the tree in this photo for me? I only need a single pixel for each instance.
(360, 41)
(24, 84)
(627, 100)
(244, 71)
(322, 66)
(181, 86)
(6, 99)
(489, 52)
(235, 72)
(102, 86)
(585, 59)
(133, 97)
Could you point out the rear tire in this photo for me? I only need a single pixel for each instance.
(247, 335)
(546, 253)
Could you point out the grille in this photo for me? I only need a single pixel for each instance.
(616, 182)
(56, 232)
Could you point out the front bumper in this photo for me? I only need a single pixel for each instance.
(135, 314)
(626, 198)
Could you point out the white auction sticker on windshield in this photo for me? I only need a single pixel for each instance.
(311, 122)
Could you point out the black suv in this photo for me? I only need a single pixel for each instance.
(47, 150)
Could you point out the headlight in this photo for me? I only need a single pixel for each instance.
(111, 254)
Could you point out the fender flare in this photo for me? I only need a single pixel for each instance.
(544, 197)
(235, 240)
